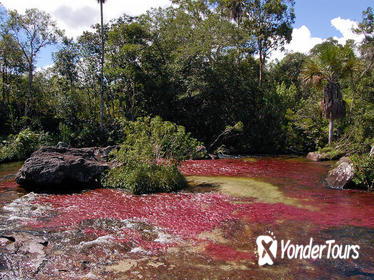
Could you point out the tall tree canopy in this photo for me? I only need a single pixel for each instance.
(101, 2)
(330, 62)
(33, 31)
(269, 22)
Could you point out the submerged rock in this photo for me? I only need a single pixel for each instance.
(62, 166)
(341, 176)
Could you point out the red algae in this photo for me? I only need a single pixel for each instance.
(308, 172)
(227, 253)
(6, 185)
(187, 215)
(301, 180)
(93, 231)
(183, 216)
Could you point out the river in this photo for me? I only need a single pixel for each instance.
(208, 231)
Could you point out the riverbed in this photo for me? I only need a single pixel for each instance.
(207, 231)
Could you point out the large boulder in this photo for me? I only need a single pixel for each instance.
(58, 168)
(341, 176)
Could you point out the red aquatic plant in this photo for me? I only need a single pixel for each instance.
(227, 253)
(185, 215)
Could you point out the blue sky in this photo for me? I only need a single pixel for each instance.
(316, 20)
(317, 14)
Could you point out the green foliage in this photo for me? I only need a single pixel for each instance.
(331, 152)
(65, 133)
(146, 178)
(193, 65)
(364, 171)
(19, 147)
(150, 140)
(150, 155)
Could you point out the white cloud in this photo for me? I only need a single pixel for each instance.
(302, 40)
(345, 26)
(75, 16)
(44, 68)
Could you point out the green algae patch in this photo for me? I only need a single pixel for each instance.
(251, 159)
(241, 187)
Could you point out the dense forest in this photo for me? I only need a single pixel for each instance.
(200, 64)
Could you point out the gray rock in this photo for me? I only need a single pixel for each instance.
(315, 156)
(61, 145)
(372, 151)
(341, 176)
(63, 167)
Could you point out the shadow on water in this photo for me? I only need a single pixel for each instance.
(61, 189)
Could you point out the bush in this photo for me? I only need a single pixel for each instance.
(150, 156)
(145, 178)
(364, 171)
(331, 152)
(152, 139)
(21, 146)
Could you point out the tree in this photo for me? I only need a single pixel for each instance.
(127, 44)
(33, 31)
(366, 28)
(102, 64)
(11, 61)
(269, 22)
(66, 60)
(329, 63)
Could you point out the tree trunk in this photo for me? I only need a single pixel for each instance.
(261, 66)
(102, 68)
(29, 91)
(260, 74)
(331, 129)
(4, 74)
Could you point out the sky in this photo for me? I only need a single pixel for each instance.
(316, 20)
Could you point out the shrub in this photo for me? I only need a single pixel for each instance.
(150, 156)
(21, 146)
(364, 171)
(152, 139)
(145, 178)
(331, 152)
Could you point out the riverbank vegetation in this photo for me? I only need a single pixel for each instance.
(148, 159)
(204, 65)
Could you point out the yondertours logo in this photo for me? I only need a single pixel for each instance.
(267, 249)
(267, 246)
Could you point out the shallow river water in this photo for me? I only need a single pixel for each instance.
(208, 231)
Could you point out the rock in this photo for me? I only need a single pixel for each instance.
(316, 156)
(213, 156)
(60, 167)
(341, 176)
(372, 151)
(23, 248)
(61, 145)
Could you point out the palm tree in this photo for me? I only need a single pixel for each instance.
(329, 63)
(102, 65)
